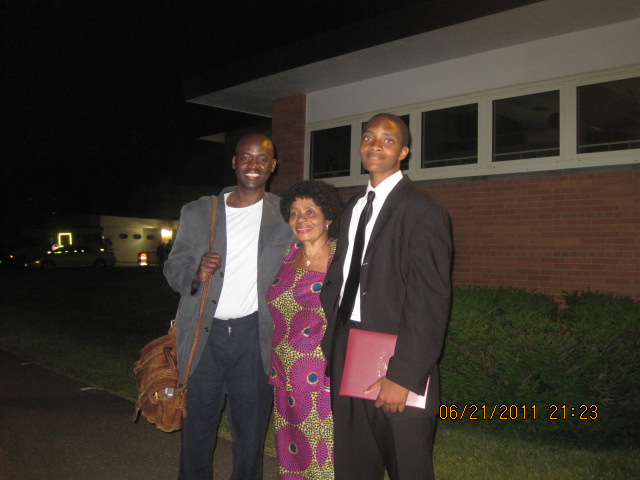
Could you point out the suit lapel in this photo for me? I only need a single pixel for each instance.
(220, 236)
(386, 212)
(268, 222)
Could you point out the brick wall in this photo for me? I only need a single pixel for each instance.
(288, 129)
(552, 234)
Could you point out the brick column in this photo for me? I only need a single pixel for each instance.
(288, 127)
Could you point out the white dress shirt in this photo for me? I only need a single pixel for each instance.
(382, 192)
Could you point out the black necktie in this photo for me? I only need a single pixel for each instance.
(353, 279)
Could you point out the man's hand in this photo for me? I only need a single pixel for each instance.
(392, 397)
(209, 263)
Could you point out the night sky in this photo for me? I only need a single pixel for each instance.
(94, 105)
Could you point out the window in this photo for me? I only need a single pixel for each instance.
(589, 120)
(151, 237)
(609, 116)
(123, 236)
(526, 126)
(450, 136)
(137, 236)
(330, 152)
(404, 165)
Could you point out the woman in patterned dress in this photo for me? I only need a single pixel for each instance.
(303, 420)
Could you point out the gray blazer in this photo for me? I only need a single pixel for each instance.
(192, 241)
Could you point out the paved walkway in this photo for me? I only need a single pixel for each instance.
(55, 428)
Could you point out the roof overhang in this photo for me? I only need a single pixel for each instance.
(513, 26)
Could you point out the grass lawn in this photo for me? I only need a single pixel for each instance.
(90, 325)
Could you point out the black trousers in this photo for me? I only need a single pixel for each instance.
(231, 367)
(368, 441)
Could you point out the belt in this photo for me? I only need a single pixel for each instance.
(230, 322)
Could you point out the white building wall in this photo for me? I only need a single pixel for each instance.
(601, 48)
(127, 249)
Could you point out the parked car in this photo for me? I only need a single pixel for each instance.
(74, 256)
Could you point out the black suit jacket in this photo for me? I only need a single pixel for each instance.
(405, 285)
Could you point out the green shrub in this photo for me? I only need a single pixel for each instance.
(602, 361)
(510, 347)
(497, 345)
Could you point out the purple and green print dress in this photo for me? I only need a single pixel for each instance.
(303, 420)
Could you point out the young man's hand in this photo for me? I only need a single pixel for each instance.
(392, 396)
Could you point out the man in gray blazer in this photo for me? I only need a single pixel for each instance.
(402, 286)
(234, 350)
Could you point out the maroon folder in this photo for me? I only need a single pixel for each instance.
(367, 360)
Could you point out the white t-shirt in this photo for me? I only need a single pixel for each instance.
(239, 296)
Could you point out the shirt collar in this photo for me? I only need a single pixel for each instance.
(384, 188)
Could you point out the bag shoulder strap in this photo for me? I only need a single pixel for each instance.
(205, 292)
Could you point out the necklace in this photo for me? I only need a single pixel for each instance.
(309, 260)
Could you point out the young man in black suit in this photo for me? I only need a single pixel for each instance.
(401, 286)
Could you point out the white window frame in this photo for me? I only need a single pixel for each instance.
(568, 158)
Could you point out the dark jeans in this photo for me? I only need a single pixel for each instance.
(230, 366)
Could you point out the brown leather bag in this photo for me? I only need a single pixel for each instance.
(161, 399)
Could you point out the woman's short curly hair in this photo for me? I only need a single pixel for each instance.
(324, 195)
